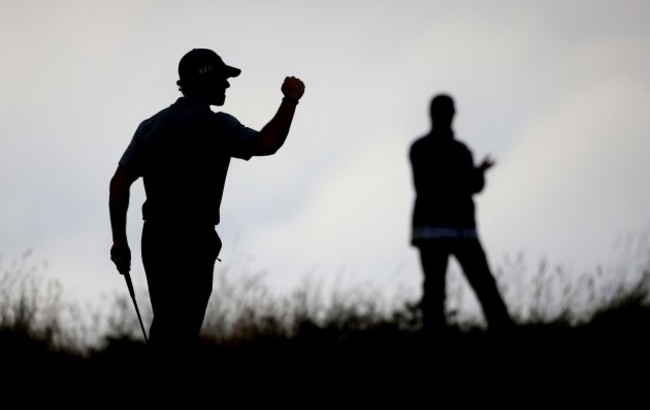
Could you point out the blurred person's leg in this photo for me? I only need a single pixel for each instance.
(434, 257)
(472, 258)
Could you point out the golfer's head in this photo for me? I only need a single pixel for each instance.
(203, 72)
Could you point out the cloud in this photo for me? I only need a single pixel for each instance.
(349, 226)
(576, 179)
(557, 92)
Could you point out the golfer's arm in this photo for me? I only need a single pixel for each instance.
(118, 202)
(273, 135)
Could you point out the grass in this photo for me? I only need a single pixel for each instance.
(594, 326)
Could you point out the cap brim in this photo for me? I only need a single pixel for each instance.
(232, 71)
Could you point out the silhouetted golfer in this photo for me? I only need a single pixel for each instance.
(443, 224)
(183, 153)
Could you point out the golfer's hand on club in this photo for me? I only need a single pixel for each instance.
(293, 88)
(121, 256)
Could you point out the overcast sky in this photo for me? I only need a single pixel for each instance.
(558, 92)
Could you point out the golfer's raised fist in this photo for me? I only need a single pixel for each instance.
(292, 87)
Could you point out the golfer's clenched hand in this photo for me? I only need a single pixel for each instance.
(293, 87)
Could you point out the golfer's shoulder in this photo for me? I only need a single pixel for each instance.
(225, 118)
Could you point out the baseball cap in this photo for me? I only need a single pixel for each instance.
(199, 63)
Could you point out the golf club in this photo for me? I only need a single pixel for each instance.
(129, 284)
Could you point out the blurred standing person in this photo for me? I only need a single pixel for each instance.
(182, 154)
(443, 220)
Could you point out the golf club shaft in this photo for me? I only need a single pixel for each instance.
(129, 284)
